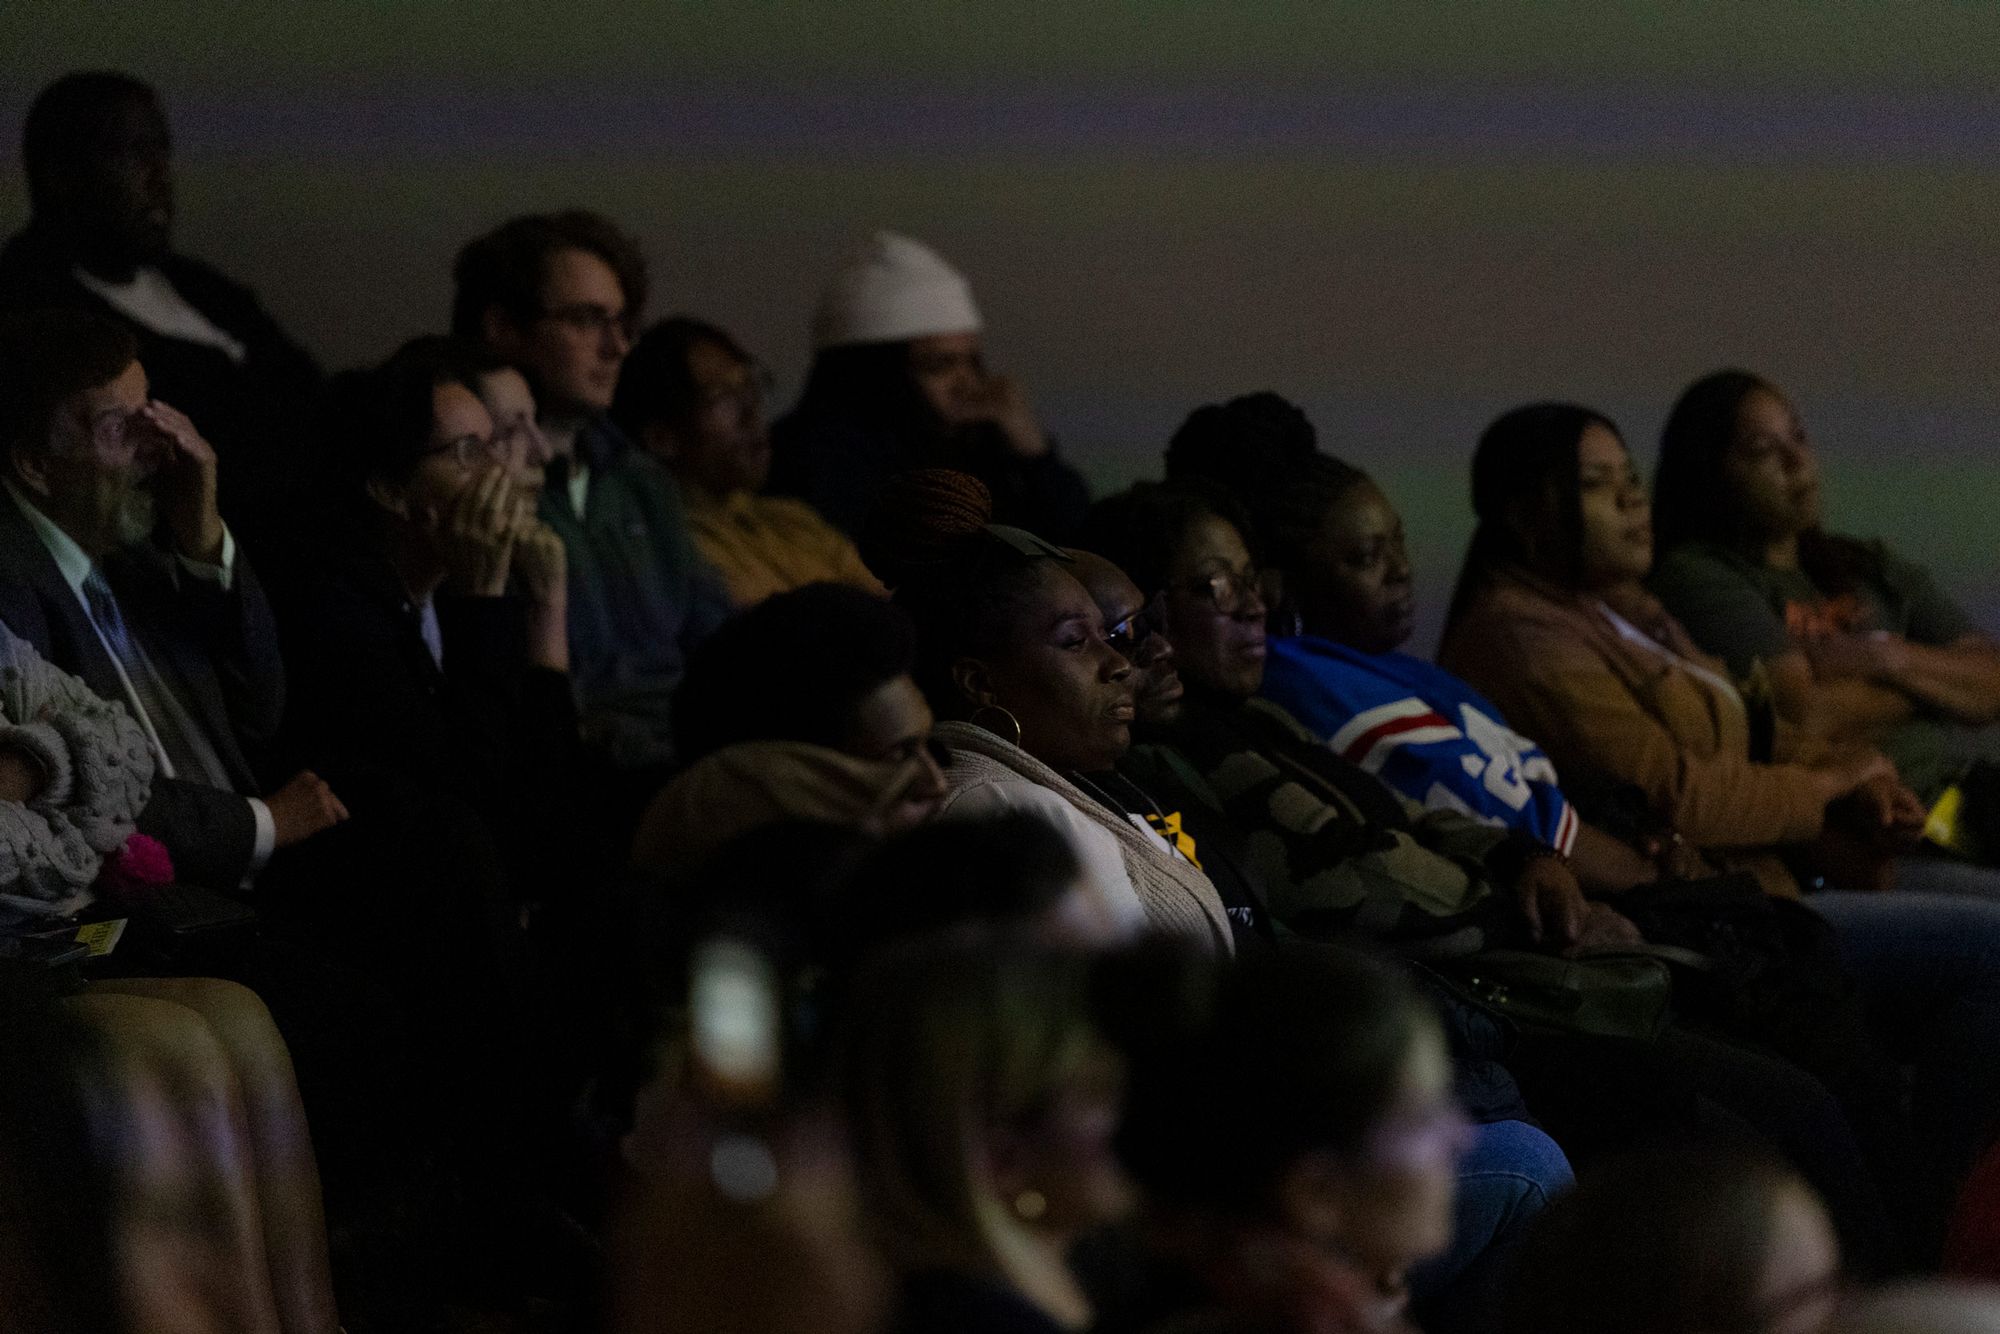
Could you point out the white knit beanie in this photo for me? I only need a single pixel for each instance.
(892, 290)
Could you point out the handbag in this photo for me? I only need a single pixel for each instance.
(1622, 994)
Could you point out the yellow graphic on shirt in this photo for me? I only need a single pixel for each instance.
(1168, 826)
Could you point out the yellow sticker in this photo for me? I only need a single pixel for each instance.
(1943, 827)
(102, 937)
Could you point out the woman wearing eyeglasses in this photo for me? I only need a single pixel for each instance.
(426, 648)
(1346, 606)
(1327, 830)
(1344, 857)
(440, 623)
(1011, 652)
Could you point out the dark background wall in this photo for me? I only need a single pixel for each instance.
(1409, 216)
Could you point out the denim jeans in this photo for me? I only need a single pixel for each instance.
(1923, 874)
(1928, 966)
(1508, 1176)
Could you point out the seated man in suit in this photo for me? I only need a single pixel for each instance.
(557, 296)
(117, 567)
(100, 238)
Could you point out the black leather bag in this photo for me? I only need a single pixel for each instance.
(1627, 994)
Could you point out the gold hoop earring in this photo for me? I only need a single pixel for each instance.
(1013, 723)
(1030, 1205)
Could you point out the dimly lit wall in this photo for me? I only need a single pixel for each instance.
(1409, 216)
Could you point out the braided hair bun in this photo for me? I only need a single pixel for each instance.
(963, 581)
(925, 525)
(1246, 445)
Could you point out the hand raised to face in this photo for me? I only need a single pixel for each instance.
(185, 481)
(476, 534)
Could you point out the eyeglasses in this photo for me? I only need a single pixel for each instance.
(469, 451)
(589, 318)
(1231, 592)
(516, 433)
(1131, 635)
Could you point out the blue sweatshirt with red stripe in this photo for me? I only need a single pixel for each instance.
(1422, 731)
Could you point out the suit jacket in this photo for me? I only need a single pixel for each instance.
(218, 650)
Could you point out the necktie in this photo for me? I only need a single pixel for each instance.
(149, 693)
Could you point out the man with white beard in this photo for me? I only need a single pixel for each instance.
(117, 567)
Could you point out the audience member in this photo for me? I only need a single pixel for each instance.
(427, 638)
(801, 708)
(694, 399)
(899, 381)
(195, 1062)
(122, 572)
(94, 149)
(837, 1042)
(982, 1104)
(1170, 797)
(1858, 643)
(1327, 833)
(815, 904)
(557, 296)
(1293, 1172)
(1334, 559)
(1012, 651)
(1551, 622)
(427, 649)
(1687, 1239)
(1346, 859)
(825, 664)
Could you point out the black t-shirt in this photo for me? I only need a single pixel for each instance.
(1153, 797)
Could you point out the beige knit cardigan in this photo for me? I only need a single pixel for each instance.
(1177, 898)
